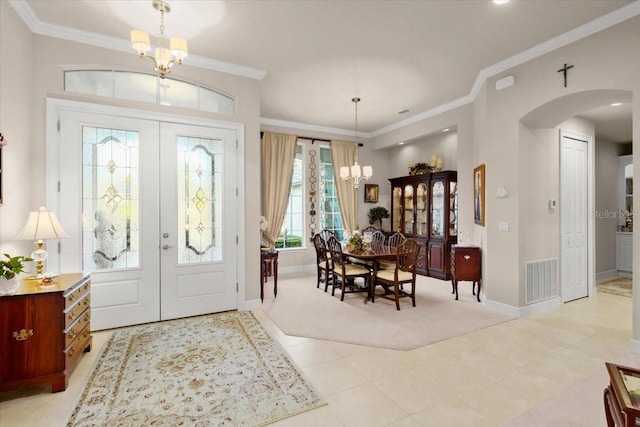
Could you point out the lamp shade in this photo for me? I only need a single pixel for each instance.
(140, 41)
(42, 225)
(178, 47)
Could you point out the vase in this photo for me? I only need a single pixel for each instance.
(8, 286)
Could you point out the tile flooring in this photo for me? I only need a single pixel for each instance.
(483, 378)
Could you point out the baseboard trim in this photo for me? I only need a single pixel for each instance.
(249, 305)
(525, 311)
(635, 346)
(606, 274)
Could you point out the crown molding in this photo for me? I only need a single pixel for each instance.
(36, 26)
(313, 128)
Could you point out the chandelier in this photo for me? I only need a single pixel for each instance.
(165, 57)
(354, 172)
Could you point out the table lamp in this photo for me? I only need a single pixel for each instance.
(41, 225)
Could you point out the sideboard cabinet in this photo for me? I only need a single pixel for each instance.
(425, 208)
(44, 330)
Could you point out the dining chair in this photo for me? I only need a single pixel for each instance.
(377, 238)
(393, 241)
(396, 239)
(323, 262)
(344, 273)
(369, 229)
(403, 273)
(326, 234)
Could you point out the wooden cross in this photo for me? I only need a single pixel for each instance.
(564, 70)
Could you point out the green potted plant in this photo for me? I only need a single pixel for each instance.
(9, 268)
(377, 214)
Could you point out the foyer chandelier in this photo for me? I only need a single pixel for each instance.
(354, 172)
(164, 57)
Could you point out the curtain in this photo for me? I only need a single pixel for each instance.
(344, 154)
(277, 164)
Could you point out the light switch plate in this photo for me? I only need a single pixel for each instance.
(503, 226)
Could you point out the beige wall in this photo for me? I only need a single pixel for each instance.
(16, 102)
(607, 196)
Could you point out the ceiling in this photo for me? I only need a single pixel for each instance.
(315, 55)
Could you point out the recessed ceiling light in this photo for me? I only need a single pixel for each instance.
(401, 143)
(445, 130)
(616, 104)
(404, 111)
(500, 1)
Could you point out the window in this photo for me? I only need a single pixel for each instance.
(147, 88)
(329, 207)
(292, 232)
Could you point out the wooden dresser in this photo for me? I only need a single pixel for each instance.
(466, 265)
(44, 331)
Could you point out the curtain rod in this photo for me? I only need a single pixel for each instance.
(312, 139)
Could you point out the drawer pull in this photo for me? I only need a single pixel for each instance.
(71, 297)
(467, 257)
(71, 352)
(86, 301)
(23, 334)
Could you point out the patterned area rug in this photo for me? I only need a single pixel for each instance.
(215, 370)
(616, 285)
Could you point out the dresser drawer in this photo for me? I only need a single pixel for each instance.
(76, 293)
(73, 353)
(73, 331)
(73, 312)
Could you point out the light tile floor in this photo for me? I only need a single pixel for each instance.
(483, 378)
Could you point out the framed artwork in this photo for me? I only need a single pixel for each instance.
(371, 193)
(478, 195)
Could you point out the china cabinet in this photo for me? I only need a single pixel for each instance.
(425, 208)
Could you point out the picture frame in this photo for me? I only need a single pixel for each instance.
(479, 195)
(371, 193)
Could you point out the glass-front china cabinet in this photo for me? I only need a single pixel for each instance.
(425, 208)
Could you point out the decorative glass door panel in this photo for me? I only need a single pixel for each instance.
(199, 178)
(421, 209)
(453, 209)
(397, 209)
(437, 209)
(408, 209)
(110, 199)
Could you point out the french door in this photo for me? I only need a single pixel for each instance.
(151, 210)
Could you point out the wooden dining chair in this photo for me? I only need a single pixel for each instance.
(377, 238)
(344, 273)
(326, 234)
(369, 229)
(323, 262)
(403, 273)
(393, 241)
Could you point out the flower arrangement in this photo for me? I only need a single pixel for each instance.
(421, 168)
(12, 266)
(263, 223)
(355, 243)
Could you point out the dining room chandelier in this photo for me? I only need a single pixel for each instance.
(164, 57)
(354, 172)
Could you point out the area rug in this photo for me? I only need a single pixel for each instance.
(616, 285)
(214, 370)
(303, 310)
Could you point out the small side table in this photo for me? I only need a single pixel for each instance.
(268, 267)
(465, 265)
(622, 396)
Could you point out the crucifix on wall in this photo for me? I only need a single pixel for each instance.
(564, 71)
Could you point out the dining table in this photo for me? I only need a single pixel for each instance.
(371, 254)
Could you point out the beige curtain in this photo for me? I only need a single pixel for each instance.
(277, 164)
(344, 154)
